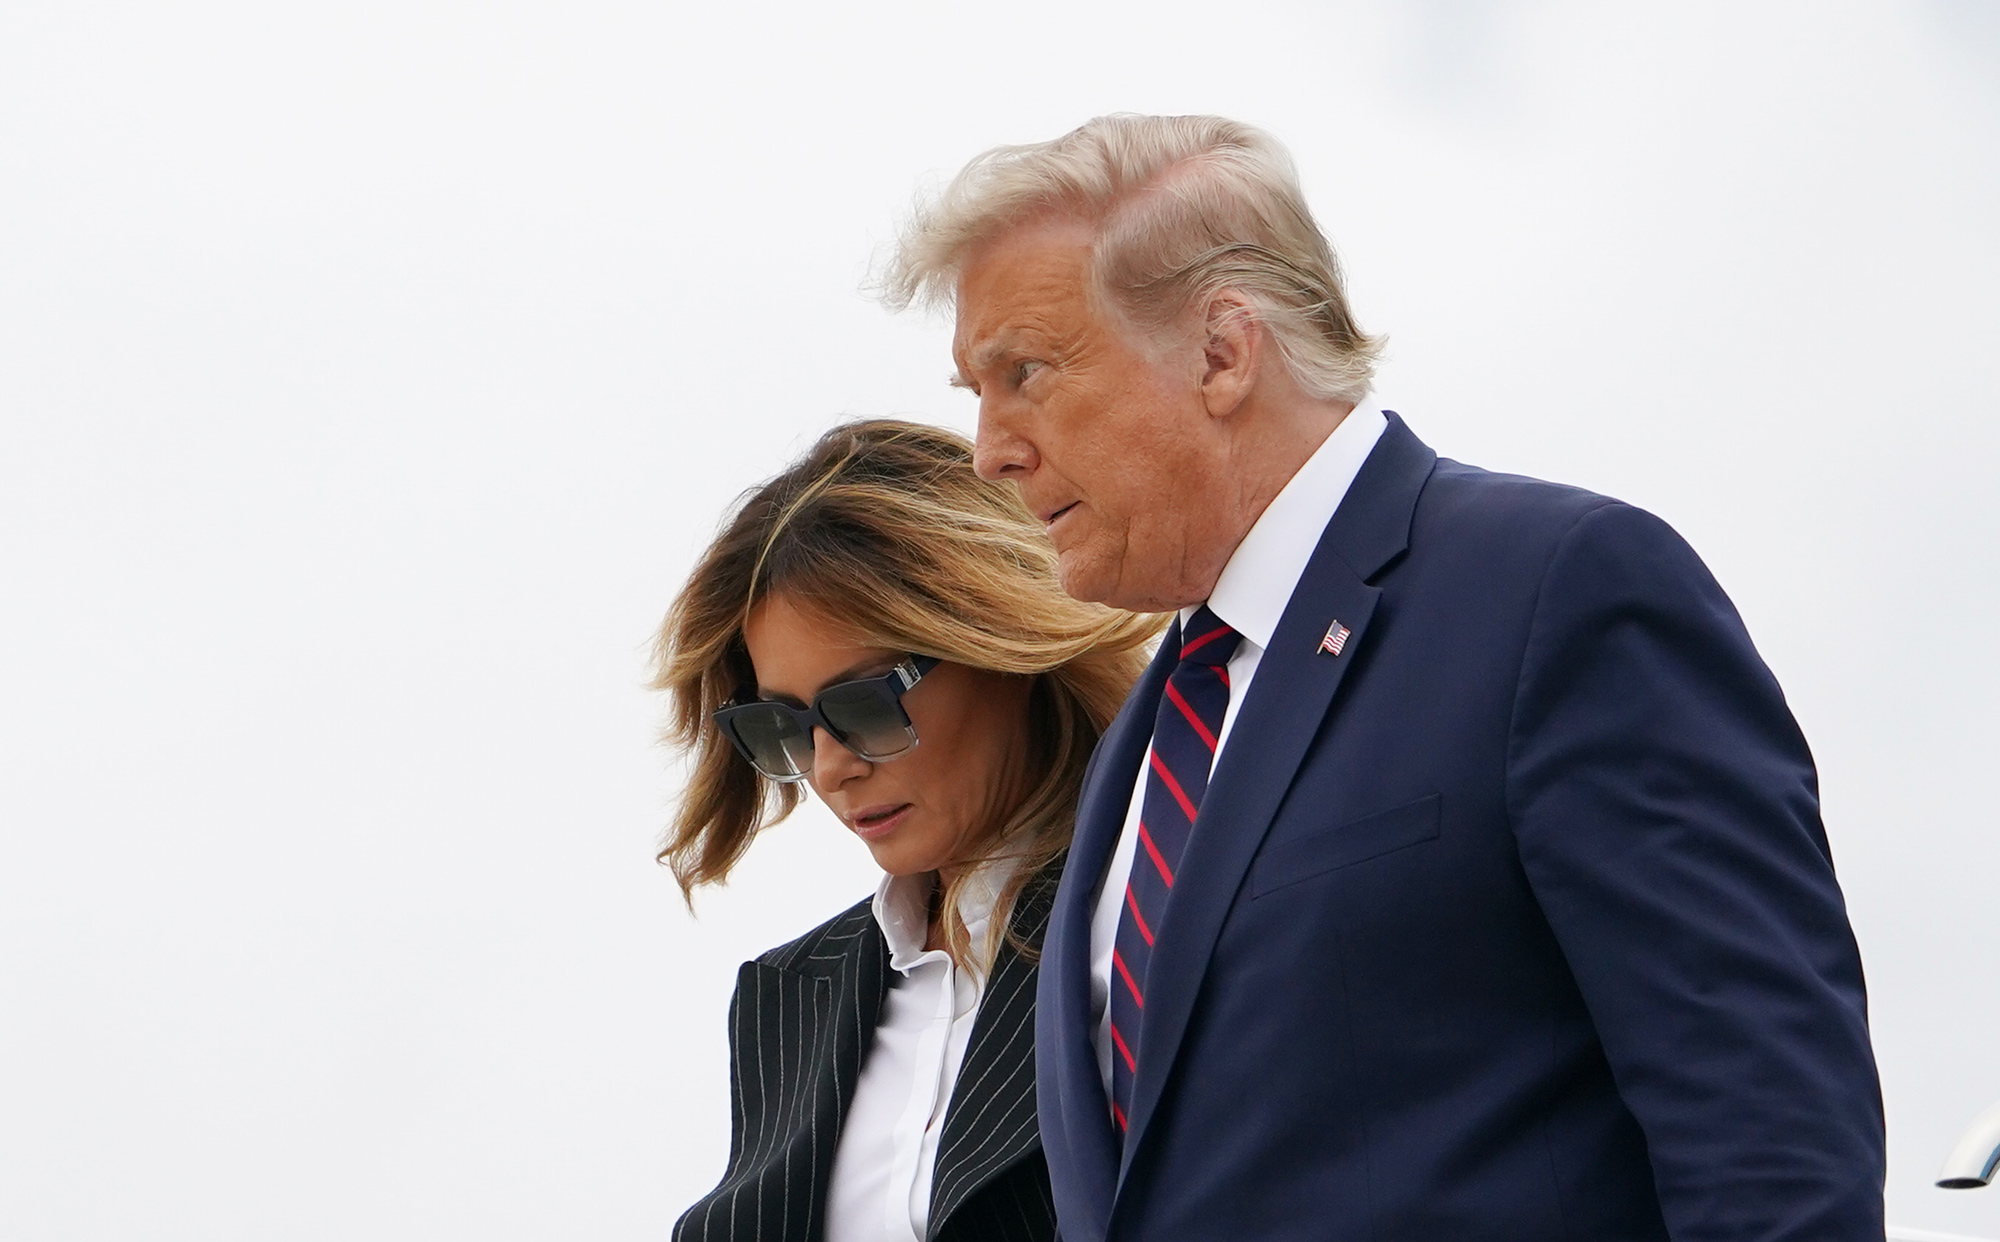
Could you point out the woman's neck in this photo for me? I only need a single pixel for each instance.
(934, 923)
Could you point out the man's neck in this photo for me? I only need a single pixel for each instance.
(1272, 446)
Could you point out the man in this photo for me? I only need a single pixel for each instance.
(1456, 871)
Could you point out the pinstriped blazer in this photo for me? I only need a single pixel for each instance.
(800, 1026)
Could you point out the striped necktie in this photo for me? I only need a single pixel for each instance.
(1184, 741)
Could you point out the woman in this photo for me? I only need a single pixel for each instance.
(879, 623)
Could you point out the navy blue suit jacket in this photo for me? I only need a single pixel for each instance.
(1514, 920)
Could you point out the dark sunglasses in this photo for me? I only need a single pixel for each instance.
(866, 716)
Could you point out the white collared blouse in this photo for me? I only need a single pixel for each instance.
(880, 1190)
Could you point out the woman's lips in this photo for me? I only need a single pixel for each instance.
(879, 821)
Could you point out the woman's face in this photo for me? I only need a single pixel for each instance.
(916, 811)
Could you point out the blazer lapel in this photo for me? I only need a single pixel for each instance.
(799, 1034)
(1287, 702)
(1077, 1138)
(861, 984)
(991, 1121)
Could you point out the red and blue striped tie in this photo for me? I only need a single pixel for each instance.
(1184, 739)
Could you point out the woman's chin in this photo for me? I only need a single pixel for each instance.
(900, 861)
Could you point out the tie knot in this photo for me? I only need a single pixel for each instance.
(1208, 639)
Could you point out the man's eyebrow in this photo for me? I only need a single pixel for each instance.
(985, 353)
(978, 358)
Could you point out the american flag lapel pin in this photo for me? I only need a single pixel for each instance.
(1336, 638)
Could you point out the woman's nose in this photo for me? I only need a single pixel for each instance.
(833, 763)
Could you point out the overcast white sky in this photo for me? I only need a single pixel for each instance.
(371, 372)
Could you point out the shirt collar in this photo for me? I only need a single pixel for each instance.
(902, 909)
(1257, 583)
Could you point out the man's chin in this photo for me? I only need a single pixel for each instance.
(1098, 581)
(1086, 578)
(1102, 581)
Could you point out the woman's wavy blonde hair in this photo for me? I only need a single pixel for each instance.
(883, 529)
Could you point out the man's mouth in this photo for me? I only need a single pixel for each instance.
(1051, 519)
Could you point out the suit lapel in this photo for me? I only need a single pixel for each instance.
(800, 1035)
(1286, 704)
(1076, 1115)
(991, 1121)
(861, 985)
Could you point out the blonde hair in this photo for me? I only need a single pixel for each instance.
(1184, 207)
(884, 529)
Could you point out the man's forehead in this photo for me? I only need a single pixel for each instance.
(1015, 289)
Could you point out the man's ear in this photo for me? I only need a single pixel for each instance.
(1232, 352)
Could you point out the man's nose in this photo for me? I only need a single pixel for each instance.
(833, 764)
(998, 450)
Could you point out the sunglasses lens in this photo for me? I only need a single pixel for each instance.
(870, 721)
(778, 747)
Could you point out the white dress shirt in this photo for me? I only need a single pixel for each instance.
(880, 1190)
(1250, 596)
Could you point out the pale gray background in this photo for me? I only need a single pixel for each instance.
(371, 371)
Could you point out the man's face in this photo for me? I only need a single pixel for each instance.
(1107, 437)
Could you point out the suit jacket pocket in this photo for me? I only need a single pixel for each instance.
(1357, 840)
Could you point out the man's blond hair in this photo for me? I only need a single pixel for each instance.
(1183, 208)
